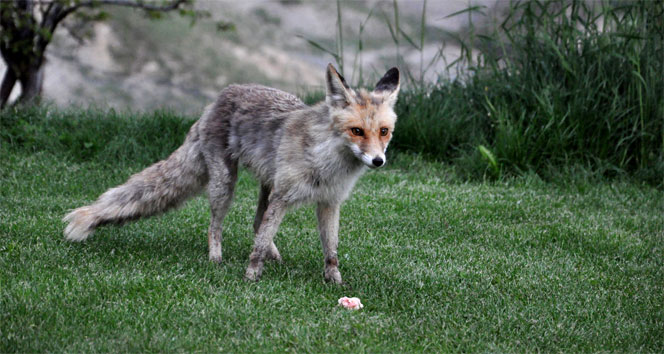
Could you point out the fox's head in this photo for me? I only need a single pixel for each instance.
(365, 119)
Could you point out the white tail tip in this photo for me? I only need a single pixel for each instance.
(80, 225)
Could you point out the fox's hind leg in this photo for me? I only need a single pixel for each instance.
(223, 176)
(263, 195)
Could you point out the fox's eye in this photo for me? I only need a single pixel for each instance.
(383, 131)
(357, 131)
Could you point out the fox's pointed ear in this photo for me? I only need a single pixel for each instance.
(338, 92)
(388, 86)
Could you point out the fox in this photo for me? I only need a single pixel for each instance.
(300, 154)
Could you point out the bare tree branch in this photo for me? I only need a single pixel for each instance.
(59, 12)
(171, 5)
(51, 14)
(43, 7)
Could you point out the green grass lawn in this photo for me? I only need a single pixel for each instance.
(440, 265)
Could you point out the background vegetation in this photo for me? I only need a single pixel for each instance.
(542, 86)
(558, 83)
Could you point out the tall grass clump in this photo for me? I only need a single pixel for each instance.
(578, 84)
(556, 83)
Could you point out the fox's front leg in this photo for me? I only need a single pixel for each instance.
(272, 217)
(328, 227)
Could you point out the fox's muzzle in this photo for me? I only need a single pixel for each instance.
(371, 161)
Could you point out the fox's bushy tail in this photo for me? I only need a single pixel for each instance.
(162, 186)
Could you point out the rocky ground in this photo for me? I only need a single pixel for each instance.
(132, 62)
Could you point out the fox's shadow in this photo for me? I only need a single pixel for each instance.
(132, 246)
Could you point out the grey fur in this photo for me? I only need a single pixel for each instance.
(296, 151)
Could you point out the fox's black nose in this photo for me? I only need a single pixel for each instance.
(378, 162)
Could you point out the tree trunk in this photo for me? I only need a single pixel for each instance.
(26, 29)
(8, 83)
(31, 84)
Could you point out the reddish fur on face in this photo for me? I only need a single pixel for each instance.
(370, 114)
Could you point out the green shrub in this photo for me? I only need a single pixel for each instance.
(559, 82)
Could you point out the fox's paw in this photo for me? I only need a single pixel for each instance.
(215, 258)
(273, 254)
(252, 273)
(332, 275)
(214, 252)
